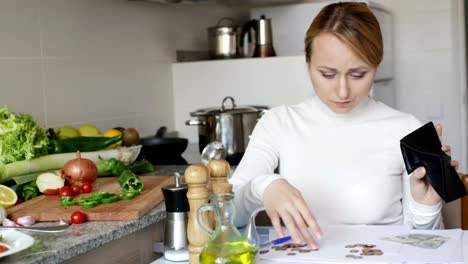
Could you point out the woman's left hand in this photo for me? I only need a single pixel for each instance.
(422, 191)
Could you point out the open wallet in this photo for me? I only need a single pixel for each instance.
(422, 148)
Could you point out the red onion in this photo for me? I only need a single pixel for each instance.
(80, 170)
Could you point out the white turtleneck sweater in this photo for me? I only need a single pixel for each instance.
(348, 167)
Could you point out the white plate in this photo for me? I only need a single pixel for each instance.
(16, 241)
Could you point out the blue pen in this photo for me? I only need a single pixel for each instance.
(280, 240)
(276, 241)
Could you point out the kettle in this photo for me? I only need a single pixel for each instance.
(263, 36)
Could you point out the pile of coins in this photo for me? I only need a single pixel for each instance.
(366, 250)
(293, 247)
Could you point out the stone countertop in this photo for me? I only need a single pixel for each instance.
(79, 239)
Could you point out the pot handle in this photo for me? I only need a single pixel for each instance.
(195, 123)
(233, 103)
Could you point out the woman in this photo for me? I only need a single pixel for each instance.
(337, 153)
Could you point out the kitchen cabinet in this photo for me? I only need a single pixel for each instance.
(134, 248)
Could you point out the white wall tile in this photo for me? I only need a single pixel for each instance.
(83, 89)
(19, 28)
(100, 28)
(124, 28)
(20, 87)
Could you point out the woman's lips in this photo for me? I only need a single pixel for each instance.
(342, 104)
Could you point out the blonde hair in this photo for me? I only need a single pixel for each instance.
(354, 24)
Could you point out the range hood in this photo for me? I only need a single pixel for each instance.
(172, 1)
(227, 2)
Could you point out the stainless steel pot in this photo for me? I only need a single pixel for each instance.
(230, 125)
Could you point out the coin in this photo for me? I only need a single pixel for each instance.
(371, 252)
(354, 251)
(368, 245)
(291, 254)
(354, 256)
(295, 245)
(350, 246)
(264, 251)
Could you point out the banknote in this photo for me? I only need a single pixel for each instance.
(427, 241)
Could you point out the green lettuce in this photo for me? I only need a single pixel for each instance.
(20, 137)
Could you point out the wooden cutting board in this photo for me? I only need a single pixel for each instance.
(48, 208)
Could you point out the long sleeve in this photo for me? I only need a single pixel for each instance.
(417, 215)
(256, 170)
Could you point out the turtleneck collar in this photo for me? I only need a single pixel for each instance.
(358, 113)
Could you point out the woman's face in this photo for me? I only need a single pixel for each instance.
(340, 78)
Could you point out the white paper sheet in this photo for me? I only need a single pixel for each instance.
(335, 238)
(465, 246)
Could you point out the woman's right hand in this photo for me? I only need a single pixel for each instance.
(283, 201)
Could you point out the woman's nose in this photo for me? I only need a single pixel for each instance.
(343, 89)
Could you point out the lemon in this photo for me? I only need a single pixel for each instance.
(113, 133)
(8, 197)
(67, 132)
(88, 131)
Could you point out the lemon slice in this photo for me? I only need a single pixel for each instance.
(8, 197)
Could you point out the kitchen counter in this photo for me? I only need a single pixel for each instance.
(92, 235)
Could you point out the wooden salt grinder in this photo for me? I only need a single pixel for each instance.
(196, 177)
(218, 170)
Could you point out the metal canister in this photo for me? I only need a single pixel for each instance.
(224, 40)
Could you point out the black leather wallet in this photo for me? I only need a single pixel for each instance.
(422, 148)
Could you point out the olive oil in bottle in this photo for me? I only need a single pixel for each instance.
(240, 252)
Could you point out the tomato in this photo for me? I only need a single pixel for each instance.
(76, 189)
(66, 191)
(3, 248)
(86, 187)
(78, 217)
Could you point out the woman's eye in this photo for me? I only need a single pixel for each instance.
(328, 75)
(357, 75)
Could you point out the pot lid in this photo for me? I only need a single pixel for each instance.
(225, 25)
(224, 109)
(214, 31)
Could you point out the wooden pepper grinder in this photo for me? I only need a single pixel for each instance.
(217, 183)
(218, 170)
(196, 177)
